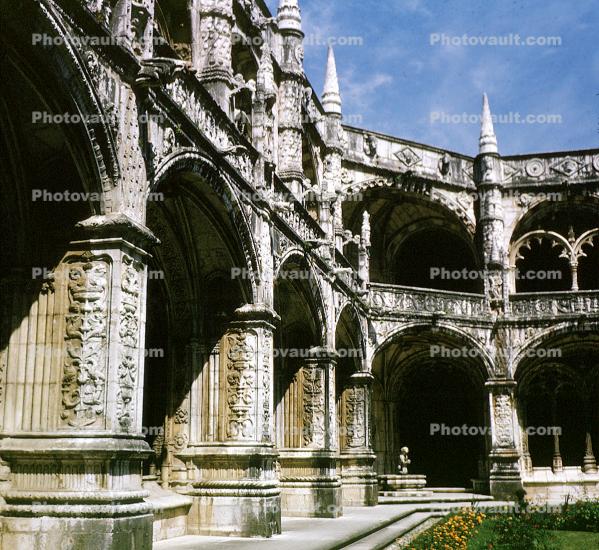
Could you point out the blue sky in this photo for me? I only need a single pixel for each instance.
(396, 82)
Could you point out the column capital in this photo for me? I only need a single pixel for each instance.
(255, 314)
(319, 354)
(499, 384)
(116, 224)
(361, 378)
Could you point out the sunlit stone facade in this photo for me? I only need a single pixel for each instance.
(221, 305)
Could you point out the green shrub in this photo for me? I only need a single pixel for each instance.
(515, 532)
(580, 516)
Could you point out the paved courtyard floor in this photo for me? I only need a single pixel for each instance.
(362, 524)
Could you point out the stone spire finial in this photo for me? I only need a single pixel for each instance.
(289, 16)
(488, 141)
(331, 98)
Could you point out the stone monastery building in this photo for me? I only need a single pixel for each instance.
(221, 305)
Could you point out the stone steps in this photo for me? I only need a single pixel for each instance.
(447, 489)
(360, 528)
(385, 536)
(466, 498)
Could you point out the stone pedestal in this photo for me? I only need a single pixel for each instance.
(402, 482)
(309, 484)
(359, 481)
(244, 502)
(71, 420)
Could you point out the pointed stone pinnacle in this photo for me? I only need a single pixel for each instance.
(488, 141)
(331, 98)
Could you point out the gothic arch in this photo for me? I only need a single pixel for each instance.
(576, 328)
(402, 221)
(64, 70)
(457, 334)
(316, 294)
(427, 194)
(354, 314)
(196, 163)
(542, 206)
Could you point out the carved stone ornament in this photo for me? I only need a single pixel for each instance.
(84, 377)
(241, 387)
(503, 420)
(535, 168)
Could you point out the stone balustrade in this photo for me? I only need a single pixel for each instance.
(399, 300)
(555, 304)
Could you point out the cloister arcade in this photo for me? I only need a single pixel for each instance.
(238, 317)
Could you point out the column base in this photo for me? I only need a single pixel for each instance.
(237, 493)
(73, 530)
(72, 492)
(310, 486)
(235, 516)
(358, 479)
(505, 480)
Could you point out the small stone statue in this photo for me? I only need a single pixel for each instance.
(404, 460)
(370, 146)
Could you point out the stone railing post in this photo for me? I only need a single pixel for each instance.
(505, 479)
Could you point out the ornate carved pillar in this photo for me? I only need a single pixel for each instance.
(505, 480)
(557, 463)
(132, 21)
(489, 176)
(291, 94)
(364, 251)
(309, 482)
(212, 47)
(590, 464)
(231, 474)
(71, 411)
(263, 108)
(526, 458)
(359, 480)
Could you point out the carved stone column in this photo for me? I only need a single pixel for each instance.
(232, 477)
(212, 47)
(132, 22)
(291, 95)
(557, 464)
(526, 458)
(359, 480)
(488, 177)
(590, 463)
(505, 480)
(310, 486)
(72, 400)
(364, 251)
